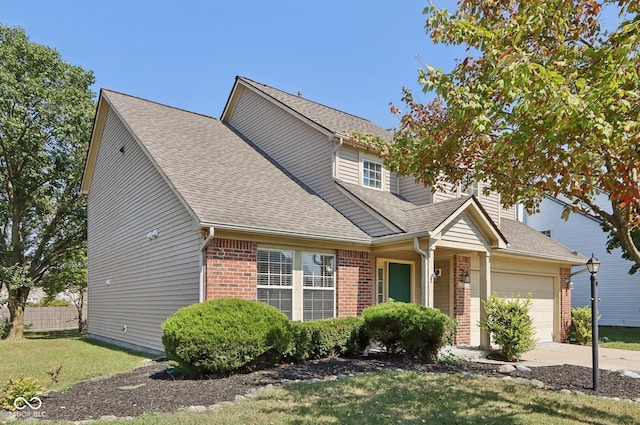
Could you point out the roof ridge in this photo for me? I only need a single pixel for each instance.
(305, 99)
(102, 89)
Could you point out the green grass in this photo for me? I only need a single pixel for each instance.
(621, 337)
(80, 357)
(409, 398)
(385, 398)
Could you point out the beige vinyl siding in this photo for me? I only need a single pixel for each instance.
(299, 148)
(450, 192)
(491, 204)
(304, 152)
(394, 183)
(150, 279)
(348, 163)
(464, 230)
(510, 213)
(361, 216)
(415, 192)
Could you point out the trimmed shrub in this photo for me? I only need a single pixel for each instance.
(224, 335)
(26, 388)
(317, 339)
(581, 325)
(510, 325)
(415, 329)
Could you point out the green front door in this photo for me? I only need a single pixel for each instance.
(400, 282)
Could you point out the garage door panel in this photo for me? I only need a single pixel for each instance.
(508, 285)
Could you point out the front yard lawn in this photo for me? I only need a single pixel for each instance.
(625, 338)
(409, 398)
(80, 358)
(374, 398)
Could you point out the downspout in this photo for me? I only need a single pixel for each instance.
(334, 153)
(203, 249)
(423, 271)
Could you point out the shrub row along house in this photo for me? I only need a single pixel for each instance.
(275, 202)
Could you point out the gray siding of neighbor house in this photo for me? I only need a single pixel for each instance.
(149, 278)
(303, 151)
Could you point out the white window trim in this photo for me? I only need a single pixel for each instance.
(297, 309)
(364, 158)
(333, 288)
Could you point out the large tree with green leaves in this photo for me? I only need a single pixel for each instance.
(46, 113)
(546, 102)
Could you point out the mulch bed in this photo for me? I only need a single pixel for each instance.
(152, 388)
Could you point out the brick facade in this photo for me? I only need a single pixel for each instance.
(231, 270)
(565, 304)
(354, 288)
(462, 300)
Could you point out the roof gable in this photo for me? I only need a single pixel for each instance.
(430, 219)
(225, 180)
(329, 119)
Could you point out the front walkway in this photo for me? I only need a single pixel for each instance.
(555, 353)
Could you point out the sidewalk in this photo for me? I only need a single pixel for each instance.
(555, 353)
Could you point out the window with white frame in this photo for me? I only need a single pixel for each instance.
(318, 286)
(469, 185)
(275, 279)
(371, 174)
(300, 284)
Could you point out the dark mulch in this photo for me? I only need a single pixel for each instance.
(153, 389)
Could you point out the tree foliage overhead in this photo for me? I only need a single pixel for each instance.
(46, 113)
(546, 103)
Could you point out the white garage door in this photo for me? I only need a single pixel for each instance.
(509, 285)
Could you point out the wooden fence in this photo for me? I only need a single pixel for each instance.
(48, 318)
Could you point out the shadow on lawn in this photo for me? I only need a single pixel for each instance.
(412, 398)
(62, 334)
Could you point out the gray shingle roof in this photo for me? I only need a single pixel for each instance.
(329, 118)
(524, 239)
(223, 178)
(403, 213)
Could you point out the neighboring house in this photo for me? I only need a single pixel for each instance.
(275, 202)
(618, 292)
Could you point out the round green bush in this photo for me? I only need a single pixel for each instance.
(224, 335)
(317, 339)
(415, 329)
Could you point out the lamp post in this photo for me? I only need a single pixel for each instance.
(593, 265)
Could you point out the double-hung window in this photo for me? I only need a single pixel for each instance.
(300, 284)
(470, 186)
(371, 174)
(275, 279)
(318, 286)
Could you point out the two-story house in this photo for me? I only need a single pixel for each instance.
(275, 202)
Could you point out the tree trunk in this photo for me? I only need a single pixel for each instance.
(79, 306)
(17, 302)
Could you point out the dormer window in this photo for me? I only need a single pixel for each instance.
(470, 186)
(371, 174)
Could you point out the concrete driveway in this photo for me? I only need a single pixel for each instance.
(555, 353)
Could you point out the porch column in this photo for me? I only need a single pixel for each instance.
(485, 293)
(427, 267)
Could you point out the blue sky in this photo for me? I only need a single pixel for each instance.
(352, 55)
